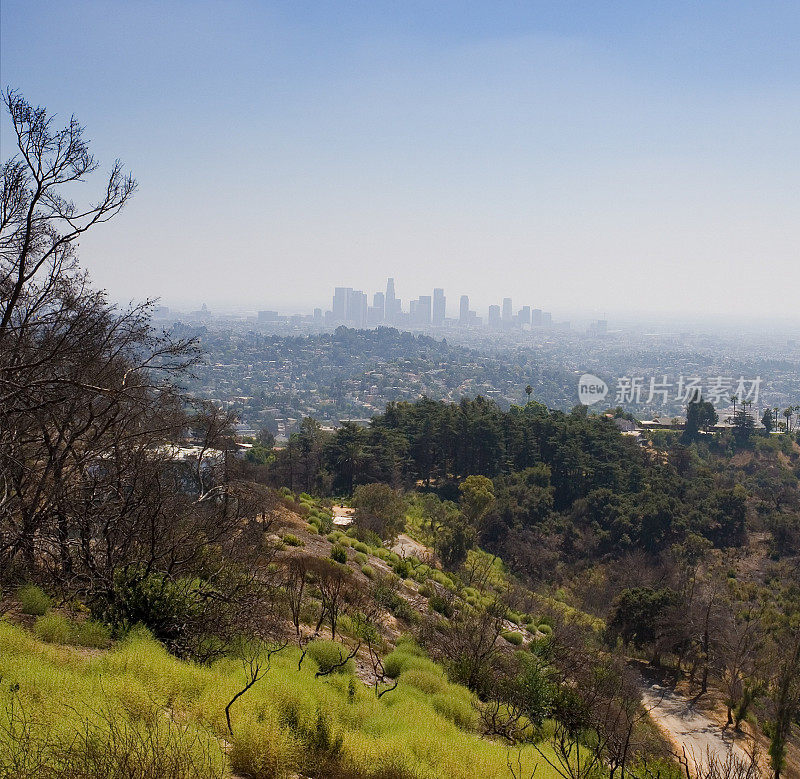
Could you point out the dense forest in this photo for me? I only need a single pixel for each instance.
(560, 480)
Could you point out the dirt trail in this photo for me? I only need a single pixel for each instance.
(406, 546)
(687, 727)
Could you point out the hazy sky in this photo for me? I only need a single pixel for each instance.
(592, 155)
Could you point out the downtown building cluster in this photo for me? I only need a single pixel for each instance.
(352, 307)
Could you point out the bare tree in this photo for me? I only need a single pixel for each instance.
(256, 658)
(83, 387)
(784, 699)
(297, 571)
(712, 766)
(738, 643)
(39, 226)
(469, 642)
(334, 583)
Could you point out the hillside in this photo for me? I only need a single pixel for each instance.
(275, 381)
(388, 711)
(136, 711)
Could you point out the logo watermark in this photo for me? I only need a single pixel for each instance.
(718, 390)
(591, 389)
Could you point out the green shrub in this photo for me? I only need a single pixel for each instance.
(33, 600)
(440, 605)
(292, 540)
(408, 644)
(313, 529)
(360, 546)
(545, 628)
(404, 657)
(323, 741)
(263, 749)
(328, 655)
(422, 573)
(54, 628)
(442, 578)
(404, 610)
(339, 554)
(58, 629)
(178, 612)
(402, 568)
(512, 637)
(429, 682)
(361, 558)
(456, 708)
(395, 663)
(368, 571)
(107, 743)
(92, 634)
(372, 540)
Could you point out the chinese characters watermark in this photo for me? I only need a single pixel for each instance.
(718, 390)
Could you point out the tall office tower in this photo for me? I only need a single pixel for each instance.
(439, 307)
(413, 305)
(357, 308)
(547, 318)
(524, 316)
(363, 308)
(494, 316)
(340, 297)
(390, 306)
(507, 315)
(317, 314)
(378, 303)
(463, 310)
(350, 305)
(424, 310)
(536, 317)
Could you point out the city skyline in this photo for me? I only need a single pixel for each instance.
(589, 154)
(351, 306)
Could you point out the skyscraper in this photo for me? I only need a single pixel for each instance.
(340, 297)
(463, 310)
(378, 303)
(494, 316)
(424, 310)
(507, 315)
(356, 313)
(390, 306)
(439, 307)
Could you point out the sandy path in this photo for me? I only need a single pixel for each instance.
(405, 546)
(686, 727)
